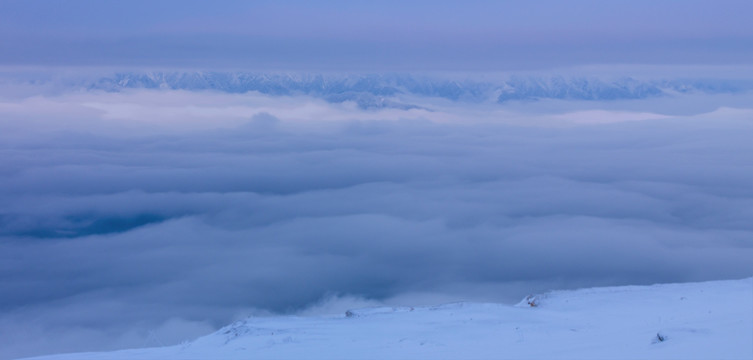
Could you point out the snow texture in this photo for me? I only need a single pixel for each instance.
(710, 320)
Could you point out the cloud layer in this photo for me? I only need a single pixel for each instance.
(133, 219)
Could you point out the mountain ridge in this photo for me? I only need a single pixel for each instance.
(373, 91)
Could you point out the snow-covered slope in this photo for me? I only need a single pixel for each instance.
(711, 320)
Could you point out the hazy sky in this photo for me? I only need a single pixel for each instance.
(367, 35)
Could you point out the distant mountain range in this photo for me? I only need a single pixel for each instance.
(385, 90)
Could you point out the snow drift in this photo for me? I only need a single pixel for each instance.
(675, 321)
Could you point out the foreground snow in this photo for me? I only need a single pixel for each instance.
(676, 321)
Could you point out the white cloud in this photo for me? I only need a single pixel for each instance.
(174, 212)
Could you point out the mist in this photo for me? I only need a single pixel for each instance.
(149, 217)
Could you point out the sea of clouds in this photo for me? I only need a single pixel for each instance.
(147, 217)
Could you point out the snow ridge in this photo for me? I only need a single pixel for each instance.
(675, 321)
(373, 91)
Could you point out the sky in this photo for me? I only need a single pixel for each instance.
(133, 216)
(369, 35)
